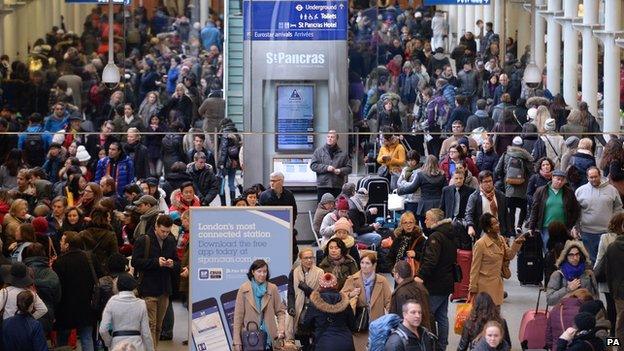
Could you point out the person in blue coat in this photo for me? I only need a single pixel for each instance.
(57, 120)
(210, 36)
(117, 165)
(23, 332)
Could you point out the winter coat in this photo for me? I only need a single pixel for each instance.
(583, 342)
(614, 260)
(498, 110)
(560, 318)
(468, 83)
(229, 141)
(470, 335)
(551, 146)
(397, 154)
(460, 113)
(324, 157)
(487, 160)
(125, 311)
(347, 268)
(147, 111)
(479, 119)
(605, 240)
(402, 182)
(598, 205)
(120, 125)
(173, 181)
(358, 219)
(570, 129)
(298, 297)
(138, 153)
(153, 142)
(48, 288)
(172, 151)
(454, 139)
(571, 204)
(124, 173)
(430, 191)
(439, 257)
(502, 141)
(154, 280)
(74, 310)
(212, 110)
(474, 210)
(403, 242)
(468, 163)
(558, 285)
(179, 204)
(378, 305)
(408, 87)
(183, 105)
(582, 162)
(482, 345)
(425, 341)
(104, 239)
(205, 182)
(10, 225)
(488, 258)
(319, 216)
(23, 333)
(536, 181)
(273, 312)
(517, 191)
(409, 289)
(332, 319)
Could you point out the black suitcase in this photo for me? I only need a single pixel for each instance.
(531, 261)
(378, 189)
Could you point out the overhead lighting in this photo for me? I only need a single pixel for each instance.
(110, 75)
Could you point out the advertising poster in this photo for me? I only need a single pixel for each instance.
(224, 242)
(295, 114)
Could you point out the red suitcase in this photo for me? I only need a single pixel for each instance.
(532, 333)
(464, 260)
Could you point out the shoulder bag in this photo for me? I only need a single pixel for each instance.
(362, 318)
(95, 292)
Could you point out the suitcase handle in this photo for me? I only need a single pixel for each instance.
(539, 294)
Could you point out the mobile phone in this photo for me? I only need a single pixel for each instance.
(228, 302)
(207, 329)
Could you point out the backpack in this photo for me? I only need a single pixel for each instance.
(233, 151)
(380, 329)
(514, 174)
(440, 110)
(34, 151)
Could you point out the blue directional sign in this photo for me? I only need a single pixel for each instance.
(116, 2)
(295, 20)
(457, 2)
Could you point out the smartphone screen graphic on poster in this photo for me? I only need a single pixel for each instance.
(224, 242)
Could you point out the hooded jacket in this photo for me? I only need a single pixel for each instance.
(582, 161)
(436, 267)
(480, 119)
(331, 317)
(598, 206)
(205, 182)
(124, 171)
(357, 214)
(409, 289)
(48, 287)
(426, 341)
(518, 191)
(558, 285)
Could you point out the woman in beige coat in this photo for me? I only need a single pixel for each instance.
(259, 301)
(303, 280)
(366, 288)
(489, 255)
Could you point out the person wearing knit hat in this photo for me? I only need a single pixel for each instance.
(323, 208)
(327, 198)
(328, 281)
(41, 225)
(517, 141)
(532, 113)
(348, 190)
(341, 210)
(343, 230)
(550, 125)
(82, 154)
(358, 213)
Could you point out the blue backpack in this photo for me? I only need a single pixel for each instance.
(380, 329)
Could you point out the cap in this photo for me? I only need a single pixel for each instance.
(151, 181)
(418, 15)
(572, 142)
(328, 281)
(82, 154)
(463, 141)
(559, 173)
(517, 141)
(326, 198)
(342, 204)
(75, 117)
(146, 199)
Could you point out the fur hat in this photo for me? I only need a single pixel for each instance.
(342, 204)
(585, 321)
(568, 246)
(550, 125)
(343, 224)
(328, 281)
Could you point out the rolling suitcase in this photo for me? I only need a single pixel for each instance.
(378, 189)
(532, 333)
(460, 289)
(531, 261)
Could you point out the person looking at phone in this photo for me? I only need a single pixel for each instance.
(258, 301)
(155, 260)
(490, 260)
(581, 336)
(574, 272)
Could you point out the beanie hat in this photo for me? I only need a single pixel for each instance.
(464, 141)
(572, 142)
(342, 204)
(326, 198)
(125, 282)
(593, 307)
(82, 154)
(328, 281)
(343, 224)
(532, 113)
(550, 125)
(40, 224)
(585, 321)
(517, 141)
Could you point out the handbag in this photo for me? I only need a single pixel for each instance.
(95, 293)
(253, 339)
(383, 171)
(462, 313)
(396, 202)
(285, 345)
(362, 318)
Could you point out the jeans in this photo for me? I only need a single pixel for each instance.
(370, 239)
(545, 237)
(85, 334)
(156, 309)
(439, 308)
(231, 181)
(611, 314)
(591, 241)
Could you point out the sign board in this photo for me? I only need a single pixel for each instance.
(456, 2)
(116, 2)
(295, 20)
(224, 242)
(296, 170)
(295, 114)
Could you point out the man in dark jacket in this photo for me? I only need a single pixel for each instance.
(199, 141)
(407, 289)
(486, 199)
(436, 270)
(147, 207)
(73, 268)
(332, 166)
(117, 165)
(205, 182)
(554, 202)
(455, 197)
(155, 260)
(410, 334)
(137, 152)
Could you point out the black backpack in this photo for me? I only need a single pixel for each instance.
(233, 150)
(34, 150)
(514, 174)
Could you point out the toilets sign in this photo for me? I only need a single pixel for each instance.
(295, 20)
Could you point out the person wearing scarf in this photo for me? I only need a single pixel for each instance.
(575, 272)
(337, 261)
(259, 301)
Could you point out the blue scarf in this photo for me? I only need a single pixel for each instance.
(369, 283)
(571, 272)
(259, 290)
